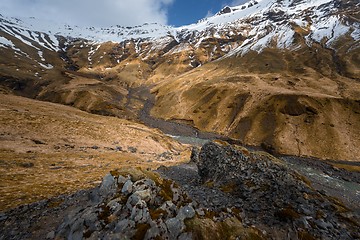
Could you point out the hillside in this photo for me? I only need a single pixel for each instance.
(281, 74)
(244, 125)
(226, 192)
(49, 149)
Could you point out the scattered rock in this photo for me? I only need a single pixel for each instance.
(3, 216)
(186, 212)
(132, 149)
(38, 141)
(175, 226)
(165, 156)
(136, 208)
(50, 235)
(185, 236)
(27, 165)
(230, 193)
(127, 188)
(108, 185)
(140, 212)
(121, 180)
(194, 157)
(260, 190)
(124, 226)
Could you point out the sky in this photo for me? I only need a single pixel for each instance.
(184, 12)
(107, 13)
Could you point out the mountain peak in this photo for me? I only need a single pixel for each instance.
(225, 10)
(260, 23)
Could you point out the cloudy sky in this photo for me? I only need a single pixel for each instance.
(115, 12)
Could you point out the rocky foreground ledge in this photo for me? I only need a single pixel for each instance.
(225, 192)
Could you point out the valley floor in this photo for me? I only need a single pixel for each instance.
(49, 149)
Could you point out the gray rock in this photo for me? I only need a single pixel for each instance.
(76, 231)
(303, 222)
(169, 207)
(194, 157)
(124, 226)
(132, 149)
(176, 193)
(186, 212)
(132, 201)
(140, 212)
(114, 204)
(94, 236)
(127, 188)
(145, 195)
(118, 236)
(152, 233)
(305, 210)
(3, 216)
(200, 212)
(175, 227)
(108, 185)
(185, 236)
(157, 230)
(144, 184)
(323, 225)
(50, 235)
(122, 179)
(94, 196)
(91, 219)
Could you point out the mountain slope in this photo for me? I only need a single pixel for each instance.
(282, 74)
(49, 149)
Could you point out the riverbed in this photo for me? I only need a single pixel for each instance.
(339, 183)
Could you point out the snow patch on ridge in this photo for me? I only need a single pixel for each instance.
(258, 23)
(4, 42)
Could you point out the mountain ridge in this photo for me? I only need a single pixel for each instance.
(242, 17)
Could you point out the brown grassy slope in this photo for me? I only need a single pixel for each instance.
(49, 149)
(96, 82)
(299, 103)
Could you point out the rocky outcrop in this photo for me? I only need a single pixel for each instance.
(285, 81)
(272, 196)
(226, 192)
(263, 193)
(232, 187)
(128, 208)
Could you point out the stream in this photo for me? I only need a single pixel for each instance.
(339, 183)
(347, 191)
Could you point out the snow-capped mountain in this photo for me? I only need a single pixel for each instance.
(251, 26)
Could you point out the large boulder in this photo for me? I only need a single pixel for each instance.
(272, 195)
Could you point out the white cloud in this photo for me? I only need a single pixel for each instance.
(209, 14)
(90, 12)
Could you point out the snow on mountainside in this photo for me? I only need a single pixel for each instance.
(251, 26)
(264, 22)
(115, 33)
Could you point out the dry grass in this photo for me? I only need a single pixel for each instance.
(351, 168)
(49, 149)
(30, 177)
(281, 99)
